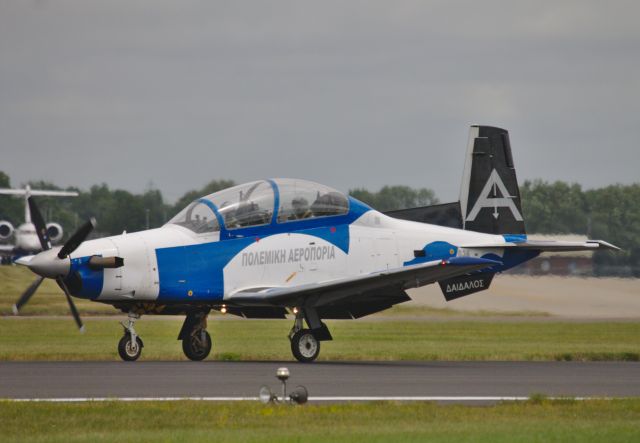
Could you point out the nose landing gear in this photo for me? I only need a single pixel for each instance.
(130, 345)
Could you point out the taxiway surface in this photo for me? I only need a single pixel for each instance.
(344, 379)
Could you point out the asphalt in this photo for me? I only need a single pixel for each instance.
(323, 379)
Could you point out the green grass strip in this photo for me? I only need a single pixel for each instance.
(58, 339)
(534, 421)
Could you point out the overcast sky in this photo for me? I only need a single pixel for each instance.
(347, 93)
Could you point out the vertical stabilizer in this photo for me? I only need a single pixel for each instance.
(489, 196)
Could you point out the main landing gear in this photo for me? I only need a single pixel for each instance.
(196, 341)
(305, 343)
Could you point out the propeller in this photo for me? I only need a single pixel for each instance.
(38, 222)
(26, 295)
(77, 238)
(51, 265)
(72, 306)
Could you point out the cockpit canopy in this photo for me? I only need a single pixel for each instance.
(253, 204)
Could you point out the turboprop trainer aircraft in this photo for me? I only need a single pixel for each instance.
(272, 247)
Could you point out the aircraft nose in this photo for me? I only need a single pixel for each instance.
(47, 264)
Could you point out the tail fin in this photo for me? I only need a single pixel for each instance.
(489, 196)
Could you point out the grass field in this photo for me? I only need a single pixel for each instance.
(48, 300)
(403, 335)
(57, 339)
(532, 421)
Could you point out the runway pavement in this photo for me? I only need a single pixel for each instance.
(322, 379)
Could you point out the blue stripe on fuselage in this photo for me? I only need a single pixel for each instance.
(195, 272)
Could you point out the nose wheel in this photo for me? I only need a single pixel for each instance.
(130, 345)
(129, 349)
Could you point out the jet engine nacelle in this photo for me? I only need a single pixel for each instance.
(6, 230)
(54, 231)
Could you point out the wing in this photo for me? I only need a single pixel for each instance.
(359, 295)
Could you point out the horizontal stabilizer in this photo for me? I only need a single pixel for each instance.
(551, 246)
(7, 191)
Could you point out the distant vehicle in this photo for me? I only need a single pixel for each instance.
(272, 247)
(25, 239)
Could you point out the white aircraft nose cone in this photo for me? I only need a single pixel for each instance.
(47, 264)
(24, 260)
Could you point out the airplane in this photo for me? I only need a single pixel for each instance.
(25, 238)
(274, 247)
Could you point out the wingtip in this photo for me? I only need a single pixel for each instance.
(606, 245)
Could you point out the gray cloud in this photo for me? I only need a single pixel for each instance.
(346, 93)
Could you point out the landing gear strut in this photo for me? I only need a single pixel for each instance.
(130, 345)
(196, 341)
(305, 343)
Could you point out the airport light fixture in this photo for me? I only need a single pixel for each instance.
(298, 396)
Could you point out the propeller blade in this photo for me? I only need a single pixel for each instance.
(72, 306)
(77, 238)
(26, 295)
(38, 222)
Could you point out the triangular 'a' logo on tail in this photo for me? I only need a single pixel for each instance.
(488, 198)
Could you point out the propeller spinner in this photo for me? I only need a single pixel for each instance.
(52, 262)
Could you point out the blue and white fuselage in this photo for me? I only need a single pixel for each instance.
(178, 264)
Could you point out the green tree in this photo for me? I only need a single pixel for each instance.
(615, 216)
(554, 208)
(11, 207)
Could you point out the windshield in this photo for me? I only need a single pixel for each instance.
(198, 217)
(252, 204)
(245, 205)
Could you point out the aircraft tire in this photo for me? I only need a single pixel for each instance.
(126, 351)
(305, 346)
(193, 347)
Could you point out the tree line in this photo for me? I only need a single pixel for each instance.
(611, 213)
